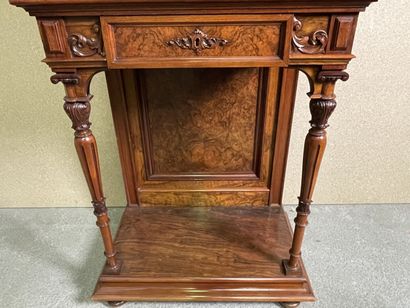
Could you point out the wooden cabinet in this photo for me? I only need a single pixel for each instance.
(202, 95)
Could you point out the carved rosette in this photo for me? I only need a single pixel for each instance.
(197, 41)
(82, 46)
(314, 44)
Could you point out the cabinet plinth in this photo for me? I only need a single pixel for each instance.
(203, 254)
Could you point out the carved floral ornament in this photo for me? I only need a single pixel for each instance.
(82, 46)
(197, 41)
(314, 44)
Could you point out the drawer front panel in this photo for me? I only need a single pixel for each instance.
(143, 42)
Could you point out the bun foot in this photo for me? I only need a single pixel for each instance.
(289, 305)
(116, 304)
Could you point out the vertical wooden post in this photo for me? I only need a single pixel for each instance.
(321, 108)
(78, 108)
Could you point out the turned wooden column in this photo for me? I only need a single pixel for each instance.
(321, 108)
(77, 106)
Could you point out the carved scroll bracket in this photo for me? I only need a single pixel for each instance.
(82, 46)
(197, 41)
(314, 44)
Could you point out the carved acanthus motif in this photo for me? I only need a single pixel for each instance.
(83, 46)
(79, 113)
(321, 110)
(313, 44)
(197, 41)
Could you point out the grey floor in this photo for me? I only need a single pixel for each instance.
(357, 256)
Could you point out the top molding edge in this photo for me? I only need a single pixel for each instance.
(279, 3)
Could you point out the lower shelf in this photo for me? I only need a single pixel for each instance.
(203, 254)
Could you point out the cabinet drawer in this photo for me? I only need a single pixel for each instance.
(195, 41)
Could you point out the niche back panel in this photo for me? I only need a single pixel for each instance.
(201, 123)
(200, 136)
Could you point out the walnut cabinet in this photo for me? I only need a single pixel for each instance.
(202, 95)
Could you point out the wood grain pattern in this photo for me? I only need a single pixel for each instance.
(222, 240)
(283, 127)
(187, 188)
(152, 41)
(116, 89)
(342, 29)
(53, 35)
(202, 121)
(205, 254)
(227, 197)
(140, 42)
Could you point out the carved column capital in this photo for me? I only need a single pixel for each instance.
(78, 110)
(77, 100)
(321, 110)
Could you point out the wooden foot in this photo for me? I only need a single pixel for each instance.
(289, 305)
(116, 303)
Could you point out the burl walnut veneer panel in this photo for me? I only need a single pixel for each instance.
(201, 120)
(191, 40)
(201, 136)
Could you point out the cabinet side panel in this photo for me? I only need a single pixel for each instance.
(285, 105)
(116, 90)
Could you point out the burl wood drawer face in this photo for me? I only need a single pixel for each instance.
(187, 41)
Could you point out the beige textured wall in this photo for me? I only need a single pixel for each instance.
(368, 155)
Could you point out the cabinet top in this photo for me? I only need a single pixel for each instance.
(278, 3)
(204, 7)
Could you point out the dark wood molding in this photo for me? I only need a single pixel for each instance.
(332, 76)
(72, 79)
